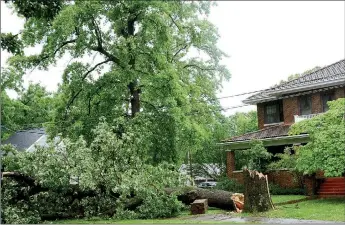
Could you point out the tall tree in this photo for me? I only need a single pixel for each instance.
(146, 74)
(243, 122)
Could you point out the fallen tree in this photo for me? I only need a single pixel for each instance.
(28, 187)
(216, 198)
(107, 178)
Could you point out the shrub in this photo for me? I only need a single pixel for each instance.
(275, 189)
(231, 185)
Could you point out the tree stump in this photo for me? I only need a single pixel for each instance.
(199, 206)
(256, 192)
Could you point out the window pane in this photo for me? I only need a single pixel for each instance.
(272, 113)
(305, 105)
(325, 98)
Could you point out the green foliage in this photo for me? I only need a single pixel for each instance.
(231, 185)
(286, 160)
(36, 8)
(145, 70)
(325, 150)
(275, 189)
(243, 122)
(160, 206)
(32, 108)
(11, 43)
(255, 158)
(297, 75)
(112, 166)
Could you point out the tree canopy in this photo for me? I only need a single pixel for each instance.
(148, 70)
(325, 150)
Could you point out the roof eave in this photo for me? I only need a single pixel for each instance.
(255, 101)
(308, 87)
(278, 93)
(274, 141)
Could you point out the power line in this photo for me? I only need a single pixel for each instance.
(291, 81)
(245, 93)
(234, 107)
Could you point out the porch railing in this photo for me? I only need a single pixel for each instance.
(305, 117)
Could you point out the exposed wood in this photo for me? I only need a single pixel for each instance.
(256, 192)
(199, 206)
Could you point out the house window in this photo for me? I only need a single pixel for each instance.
(273, 112)
(327, 96)
(305, 105)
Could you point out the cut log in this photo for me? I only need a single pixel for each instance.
(239, 201)
(215, 198)
(256, 192)
(199, 207)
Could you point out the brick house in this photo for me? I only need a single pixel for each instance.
(281, 106)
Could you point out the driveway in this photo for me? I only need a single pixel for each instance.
(227, 218)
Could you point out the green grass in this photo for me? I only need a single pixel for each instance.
(285, 198)
(318, 209)
(156, 221)
(183, 218)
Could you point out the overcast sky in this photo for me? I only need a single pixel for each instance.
(265, 41)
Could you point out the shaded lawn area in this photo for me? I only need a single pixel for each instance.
(285, 198)
(156, 221)
(317, 209)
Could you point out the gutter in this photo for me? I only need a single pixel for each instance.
(338, 82)
(275, 141)
(307, 87)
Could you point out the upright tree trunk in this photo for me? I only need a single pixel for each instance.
(257, 197)
(133, 85)
(135, 98)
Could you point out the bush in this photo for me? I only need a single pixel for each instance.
(275, 189)
(231, 185)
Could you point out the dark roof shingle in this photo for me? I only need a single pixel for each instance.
(22, 140)
(333, 72)
(269, 132)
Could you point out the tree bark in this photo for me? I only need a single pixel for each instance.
(216, 198)
(257, 197)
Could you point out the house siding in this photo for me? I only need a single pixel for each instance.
(290, 108)
(316, 103)
(261, 118)
(339, 93)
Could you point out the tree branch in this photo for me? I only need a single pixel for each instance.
(95, 67)
(198, 67)
(59, 48)
(181, 49)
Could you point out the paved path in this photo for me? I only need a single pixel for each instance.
(227, 218)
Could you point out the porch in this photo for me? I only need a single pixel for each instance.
(275, 139)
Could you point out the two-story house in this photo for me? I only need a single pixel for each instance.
(281, 106)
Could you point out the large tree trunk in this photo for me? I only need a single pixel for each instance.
(216, 198)
(257, 197)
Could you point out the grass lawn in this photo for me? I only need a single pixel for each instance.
(156, 221)
(285, 198)
(317, 209)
